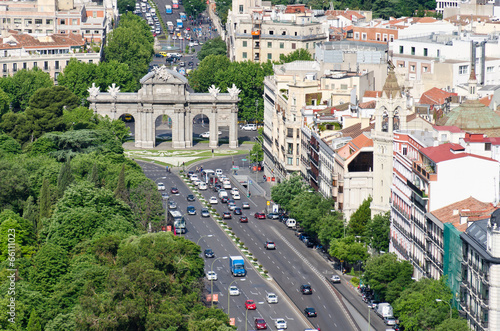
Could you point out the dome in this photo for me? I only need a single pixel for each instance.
(473, 116)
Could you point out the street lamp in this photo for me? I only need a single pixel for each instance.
(449, 304)
(212, 279)
(246, 316)
(205, 236)
(229, 296)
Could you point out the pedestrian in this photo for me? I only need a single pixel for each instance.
(167, 168)
(264, 177)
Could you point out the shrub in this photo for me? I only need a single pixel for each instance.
(355, 281)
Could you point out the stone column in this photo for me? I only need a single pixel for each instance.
(214, 129)
(233, 127)
(138, 126)
(178, 129)
(148, 128)
(188, 127)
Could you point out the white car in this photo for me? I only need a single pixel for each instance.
(218, 172)
(335, 279)
(207, 134)
(235, 190)
(236, 196)
(231, 206)
(226, 185)
(280, 324)
(194, 177)
(202, 186)
(271, 298)
(213, 200)
(197, 182)
(211, 275)
(249, 127)
(161, 187)
(233, 290)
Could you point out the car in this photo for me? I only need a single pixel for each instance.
(243, 219)
(237, 211)
(190, 173)
(204, 212)
(190, 63)
(389, 321)
(335, 279)
(193, 177)
(209, 253)
(231, 201)
(273, 216)
(172, 205)
(249, 127)
(226, 185)
(260, 216)
(191, 210)
(236, 196)
(164, 195)
(218, 172)
(235, 190)
(270, 245)
(213, 200)
(231, 206)
(190, 197)
(234, 290)
(217, 187)
(271, 298)
(373, 304)
(250, 305)
(197, 182)
(174, 190)
(310, 312)
(161, 187)
(306, 289)
(226, 215)
(211, 275)
(224, 199)
(280, 324)
(202, 186)
(206, 134)
(260, 324)
(245, 205)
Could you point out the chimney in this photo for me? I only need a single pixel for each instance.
(464, 218)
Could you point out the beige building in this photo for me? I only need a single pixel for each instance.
(48, 53)
(257, 33)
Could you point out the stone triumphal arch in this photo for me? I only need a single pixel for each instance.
(164, 92)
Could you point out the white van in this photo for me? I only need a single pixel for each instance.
(226, 185)
(291, 223)
(218, 172)
(249, 127)
(384, 309)
(223, 193)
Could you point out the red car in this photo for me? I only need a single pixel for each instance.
(244, 219)
(260, 216)
(250, 305)
(260, 324)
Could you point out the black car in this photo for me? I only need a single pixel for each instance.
(237, 211)
(224, 199)
(158, 55)
(273, 216)
(310, 312)
(209, 253)
(191, 210)
(205, 212)
(191, 198)
(226, 215)
(174, 190)
(306, 289)
(217, 187)
(190, 173)
(190, 63)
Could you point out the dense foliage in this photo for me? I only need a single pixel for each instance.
(194, 7)
(215, 46)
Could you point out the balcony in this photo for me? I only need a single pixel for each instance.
(484, 324)
(426, 171)
(256, 33)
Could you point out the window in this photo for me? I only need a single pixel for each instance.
(297, 161)
(425, 51)
(438, 53)
(35, 64)
(245, 31)
(244, 55)
(63, 21)
(283, 33)
(25, 65)
(405, 150)
(401, 49)
(487, 146)
(385, 37)
(87, 31)
(412, 68)
(56, 65)
(343, 86)
(74, 21)
(490, 69)
(463, 70)
(38, 21)
(307, 45)
(289, 134)
(28, 21)
(269, 56)
(244, 43)
(294, 45)
(4, 68)
(46, 65)
(56, 75)
(38, 31)
(91, 61)
(49, 21)
(363, 36)
(241, 9)
(6, 20)
(94, 14)
(271, 32)
(425, 69)
(356, 35)
(17, 21)
(377, 36)
(282, 45)
(392, 38)
(97, 32)
(269, 44)
(296, 33)
(289, 161)
(413, 51)
(290, 148)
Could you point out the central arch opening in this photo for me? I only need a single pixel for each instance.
(129, 123)
(163, 129)
(201, 129)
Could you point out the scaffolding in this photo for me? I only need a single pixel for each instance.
(452, 264)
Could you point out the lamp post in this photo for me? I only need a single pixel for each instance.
(246, 316)
(229, 297)
(212, 279)
(205, 236)
(449, 304)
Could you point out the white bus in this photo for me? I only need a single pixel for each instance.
(170, 27)
(168, 9)
(176, 219)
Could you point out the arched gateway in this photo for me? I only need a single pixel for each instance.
(164, 92)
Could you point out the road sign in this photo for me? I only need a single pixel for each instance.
(243, 160)
(268, 202)
(236, 167)
(249, 181)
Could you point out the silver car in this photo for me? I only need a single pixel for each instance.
(172, 205)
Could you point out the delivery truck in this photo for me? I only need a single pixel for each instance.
(237, 266)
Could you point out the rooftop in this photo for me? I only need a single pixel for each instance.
(448, 151)
(435, 96)
(472, 116)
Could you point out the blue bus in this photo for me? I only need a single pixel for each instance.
(179, 24)
(168, 9)
(183, 16)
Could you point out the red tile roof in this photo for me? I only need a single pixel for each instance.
(372, 94)
(368, 105)
(355, 130)
(435, 96)
(486, 100)
(54, 40)
(448, 151)
(345, 13)
(481, 138)
(450, 128)
(291, 9)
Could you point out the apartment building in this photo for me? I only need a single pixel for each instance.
(259, 34)
(49, 53)
(91, 20)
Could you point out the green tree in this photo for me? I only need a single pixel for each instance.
(331, 226)
(23, 85)
(14, 185)
(115, 72)
(30, 213)
(377, 232)
(203, 77)
(78, 77)
(45, 200)
(34, 322)
(387, 275)
(116, 127)
(94, 175)
(49, 264)
(125, 6)
(4, 102)
(284, 192)
(16, 126)
(79, 118)
(215, 46)
(46, 110)
(146, 203)
(64, 179)
(222, 8)
(257, 153)
(9, 145)
(454, 324)
(121, 190)
(14, 227)
(300, 54)
(360, 219)
(349, 250)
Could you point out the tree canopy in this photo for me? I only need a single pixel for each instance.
(215, 46)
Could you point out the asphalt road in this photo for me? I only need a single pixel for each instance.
(252, 286)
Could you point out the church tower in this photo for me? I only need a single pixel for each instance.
(390, 115)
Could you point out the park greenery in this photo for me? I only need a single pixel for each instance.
(215, 46)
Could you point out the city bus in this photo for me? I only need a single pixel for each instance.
(179, 23)
(183, 16)
(176, 221)
(170, 27)
(168, 9)
(175, 4)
